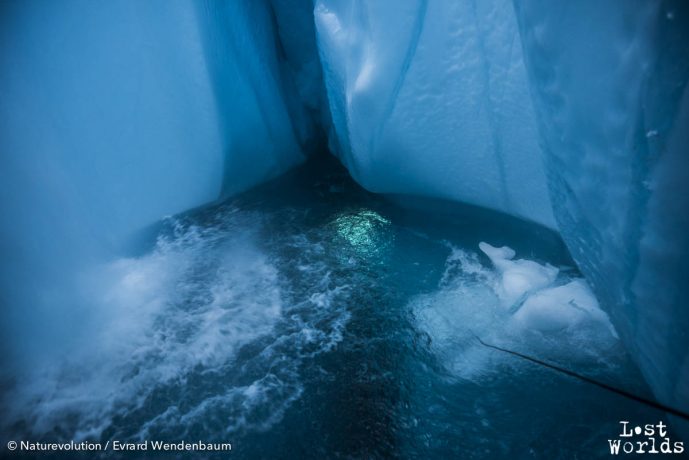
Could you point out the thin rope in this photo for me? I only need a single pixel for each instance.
(605, 386)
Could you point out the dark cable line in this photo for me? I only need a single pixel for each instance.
(605, 386)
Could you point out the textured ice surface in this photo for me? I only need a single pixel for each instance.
(431, 98)
(610, 87)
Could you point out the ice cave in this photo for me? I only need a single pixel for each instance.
(343, 228)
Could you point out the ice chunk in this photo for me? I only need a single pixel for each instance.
(544, 306)
(517, 277)
(499, 256)
(561, 307)
(560, 319)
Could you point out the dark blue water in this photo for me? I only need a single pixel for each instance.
(309, 318)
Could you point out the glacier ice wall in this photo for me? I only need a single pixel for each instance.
(610, 88)
(115, 114)
(444, 99)
(572, 115)
(431, 99)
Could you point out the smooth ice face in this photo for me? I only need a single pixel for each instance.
(610, 87)
(431, 99)
(115, 115)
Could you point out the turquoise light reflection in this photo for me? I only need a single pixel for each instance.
(365, 230)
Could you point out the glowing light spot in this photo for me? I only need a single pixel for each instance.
(365, 230)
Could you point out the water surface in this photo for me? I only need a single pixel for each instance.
(309, 318)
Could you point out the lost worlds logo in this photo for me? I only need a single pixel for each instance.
(644, 439)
